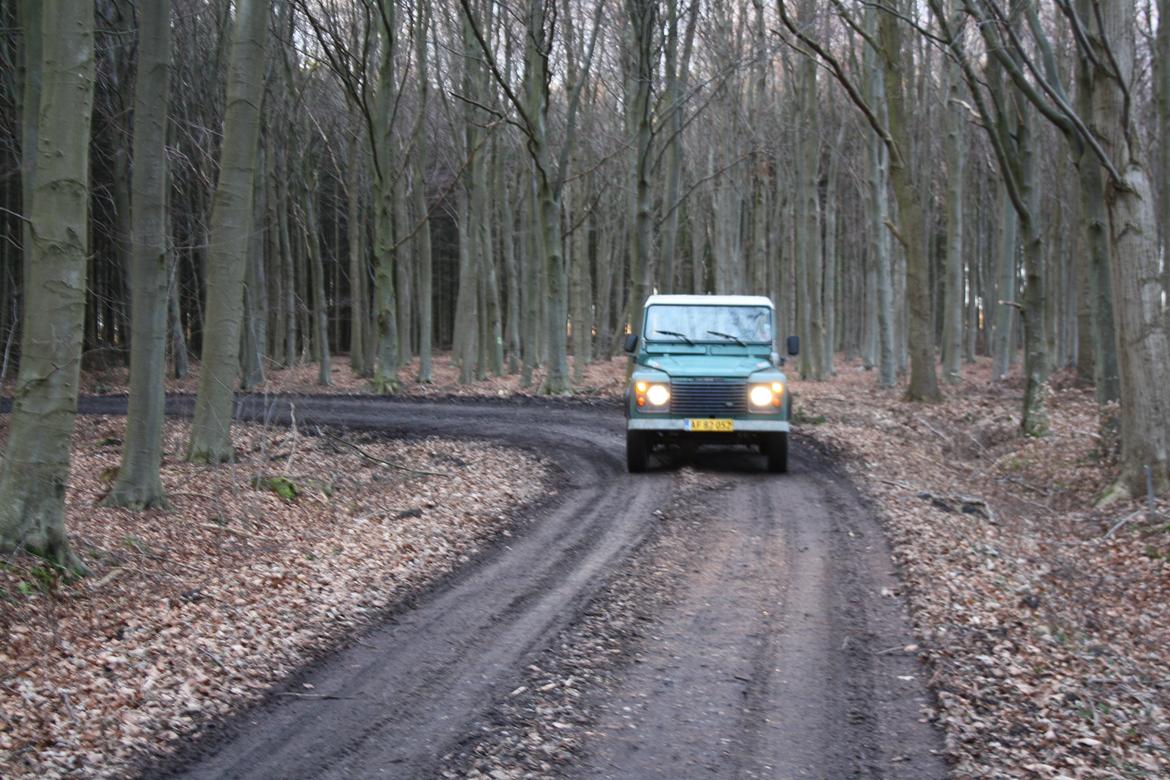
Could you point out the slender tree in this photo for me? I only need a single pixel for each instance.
(385, 378)
(231, 226)
(138, 484)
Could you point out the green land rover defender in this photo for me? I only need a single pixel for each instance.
(705, 373)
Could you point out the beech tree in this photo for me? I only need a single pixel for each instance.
(1106, 38)
(231, 226)
(35, 468)
(138, 484)
(894, 130)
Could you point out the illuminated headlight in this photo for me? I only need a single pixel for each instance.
(658, 395)
(652, 397)
(766, 396)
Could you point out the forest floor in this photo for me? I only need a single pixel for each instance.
(1044, 621)
(194, 612)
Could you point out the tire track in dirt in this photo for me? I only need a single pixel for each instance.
(771, 658)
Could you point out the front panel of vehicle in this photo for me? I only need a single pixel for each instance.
(707, 381)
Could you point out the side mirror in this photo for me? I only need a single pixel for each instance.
(631, 345)
(794, 345)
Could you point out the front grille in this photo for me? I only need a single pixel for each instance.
(708, 398)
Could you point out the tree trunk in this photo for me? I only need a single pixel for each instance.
(138, 485)
(507, 227)
(35, 468)
(31, 13)
(879, 192)
(493, 336)
(923, 380)
(641, 15)
(385, 378)
(1095, 219)
(422, 239)
(831, 264)
(1034, 420)
(581, 293)
(357, 271)
(466, 341)
(1162, 98)
(320, 312)
(1142, 347)
(1005, 288)
(403, 270)
(808, 216)
(181, 365)
(231, 224)
(254, 339)
(956, 158)
(287, 266)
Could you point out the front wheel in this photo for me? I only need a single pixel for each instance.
(776, 450)
(637, 451)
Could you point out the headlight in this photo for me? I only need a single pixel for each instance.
(766, 396)
(654, 396)
(658, 395)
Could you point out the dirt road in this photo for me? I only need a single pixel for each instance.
(780, 651)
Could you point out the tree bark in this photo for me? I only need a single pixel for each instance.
(320, 312)
(422, 239)
(879, 192)
(923, 380)
(1162, 98)
(31, 14)
(231, 224)
(641, 18)
(808, 215)
(357, 271)
(385, 379)
(1142, 347)
(956, 158)
(35, 468)
(254, 339)
(138, 484)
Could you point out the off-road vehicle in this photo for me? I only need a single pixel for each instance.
(706, 373)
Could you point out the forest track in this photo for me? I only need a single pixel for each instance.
(779, 656)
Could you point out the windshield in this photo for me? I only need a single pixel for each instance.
(731, 324)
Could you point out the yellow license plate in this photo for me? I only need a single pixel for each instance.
(711, 426)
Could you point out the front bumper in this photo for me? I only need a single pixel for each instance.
(683, 426)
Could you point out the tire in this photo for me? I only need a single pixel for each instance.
(776, 450)
(637, 451)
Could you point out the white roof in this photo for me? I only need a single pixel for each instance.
(710, 300)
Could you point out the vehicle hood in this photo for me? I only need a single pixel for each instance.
(693, 366)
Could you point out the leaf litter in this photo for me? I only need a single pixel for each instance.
(1046, 635)
(258, 567)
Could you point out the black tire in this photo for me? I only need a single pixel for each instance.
(776, 450)
(637, 451)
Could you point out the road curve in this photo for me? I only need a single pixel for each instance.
(774, 661)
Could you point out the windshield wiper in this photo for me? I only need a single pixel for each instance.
(675, 333)
(728, 336)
